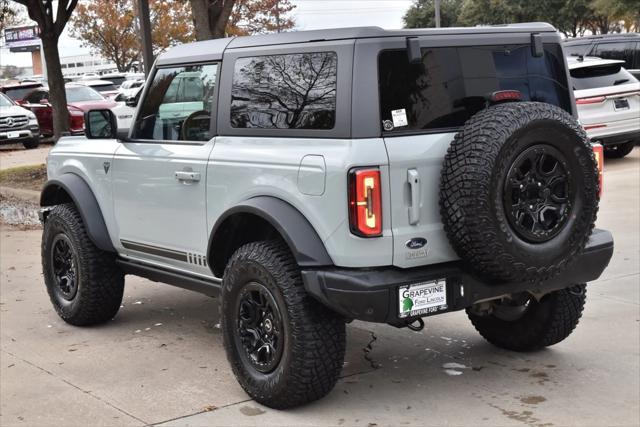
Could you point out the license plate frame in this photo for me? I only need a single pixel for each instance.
(422, 298)
(13, 134)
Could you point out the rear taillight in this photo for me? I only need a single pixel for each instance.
(506, 95)
(599, 155)
(365, 202)
(593, 100)
(76, 120)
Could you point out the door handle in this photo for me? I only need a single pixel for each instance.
(413, 178)
(187, 176)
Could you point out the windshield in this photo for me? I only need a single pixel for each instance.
(600, 76)
(82, 93)
(451, 84)
(4, 101)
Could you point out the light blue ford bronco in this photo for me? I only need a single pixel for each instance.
(312, 178)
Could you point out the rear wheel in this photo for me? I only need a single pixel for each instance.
(618, 151)
(284, 347)
(522, 323)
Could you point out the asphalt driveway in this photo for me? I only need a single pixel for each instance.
(160, 361)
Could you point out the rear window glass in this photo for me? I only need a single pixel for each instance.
(104, 88)
(18, 94)
(296, 91)
(82, 93)
(117, 81)
(451, 83)
(600, 76)
(577, 50)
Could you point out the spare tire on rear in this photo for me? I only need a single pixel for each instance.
(519, 192)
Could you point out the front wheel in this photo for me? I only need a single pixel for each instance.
(84, 283)
(522, 323)
(285, 348)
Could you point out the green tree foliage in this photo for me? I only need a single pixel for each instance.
(572, 17)
(422, 14)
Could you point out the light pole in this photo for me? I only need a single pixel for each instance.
(437, 7)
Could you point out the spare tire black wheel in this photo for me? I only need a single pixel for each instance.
(519, 192)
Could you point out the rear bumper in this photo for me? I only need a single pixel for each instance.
(619, 138)
(372, 294)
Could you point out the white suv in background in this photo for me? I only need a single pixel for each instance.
(608, 101)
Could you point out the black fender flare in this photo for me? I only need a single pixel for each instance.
(302, 239)
(86, 203)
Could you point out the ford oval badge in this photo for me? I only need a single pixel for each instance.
(416, 243)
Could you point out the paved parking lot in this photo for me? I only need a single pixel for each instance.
(15, 155)
(160, 361)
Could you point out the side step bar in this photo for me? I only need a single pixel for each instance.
(180, 280)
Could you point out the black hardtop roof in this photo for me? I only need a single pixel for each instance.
(213, 49)
(589, 39)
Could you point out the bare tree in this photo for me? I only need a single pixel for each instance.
(51, 25)
(210, 17)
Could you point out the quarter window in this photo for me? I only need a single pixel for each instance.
(295, 91)
(178, 105)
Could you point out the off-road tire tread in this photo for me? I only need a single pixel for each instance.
(465, 191)
(318, 333)
(102, 282)
(550, 321)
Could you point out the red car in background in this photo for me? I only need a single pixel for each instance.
(18, 91)
(79, 100)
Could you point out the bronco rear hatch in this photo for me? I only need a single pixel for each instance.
(424, 101)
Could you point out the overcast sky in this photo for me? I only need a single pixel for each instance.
(308, 14)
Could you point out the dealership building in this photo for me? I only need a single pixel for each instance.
(78, 65)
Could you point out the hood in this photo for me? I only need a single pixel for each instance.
(93, 105)
(14, 110)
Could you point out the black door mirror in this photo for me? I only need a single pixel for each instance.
(100, 124)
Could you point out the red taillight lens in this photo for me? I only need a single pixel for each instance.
(599, 155)
(594, 100)
(365, 202)
(76, 119)
(506, 95)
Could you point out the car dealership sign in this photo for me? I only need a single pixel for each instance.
(22, 39)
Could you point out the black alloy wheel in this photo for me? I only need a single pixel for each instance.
(260, 333)
(538, 190)
(64, 261)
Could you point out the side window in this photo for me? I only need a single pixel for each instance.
(168, 113)
(294, 91)
(618, 50)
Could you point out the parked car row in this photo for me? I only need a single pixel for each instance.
(17, 124)
(606, 90)
(608, 103)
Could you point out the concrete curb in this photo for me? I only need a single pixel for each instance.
(21, 193)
